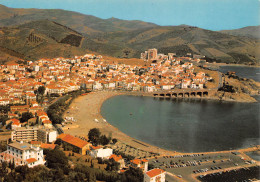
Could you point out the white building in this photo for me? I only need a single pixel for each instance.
(23, 154)
(34, 133)
(155, 175)
(100, 152)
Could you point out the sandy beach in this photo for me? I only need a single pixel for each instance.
(86, 110)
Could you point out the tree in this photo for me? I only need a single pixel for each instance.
(41, 90)
(3, 119)
(91, 177)
(23, 170)
(58, 141)
(56, 159)
(26, 116)
(112, 165)
(93, 135)
(114, 140)
(133, 175)
(104, 140)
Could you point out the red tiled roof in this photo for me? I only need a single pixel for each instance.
(115, 157)
(154, 172)
(73, 140)
(136, 161)
(95, 147)
(31, 160)
(47, 122)
(35, 142)
(48, 146)
(15, 122)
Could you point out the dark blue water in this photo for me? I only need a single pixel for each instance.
(243, 72)
(185, 125)
(254, 155)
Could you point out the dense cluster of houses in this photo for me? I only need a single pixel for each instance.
(59, 76)
(19, 82)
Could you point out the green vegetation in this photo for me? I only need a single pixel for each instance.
(3, 119)
(227, 88)
(96, 138)
(58, 169)
(56, 159)
(56, 110)
(125, 156)
(125, 39)
(26, 116)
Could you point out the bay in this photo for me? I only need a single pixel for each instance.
(185, 125)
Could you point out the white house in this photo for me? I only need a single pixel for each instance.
(155, 175)
(23, 154)
(100, 152)
(15, 124)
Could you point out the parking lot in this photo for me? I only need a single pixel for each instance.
(183, 166)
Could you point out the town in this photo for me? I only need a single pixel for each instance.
(29, 90)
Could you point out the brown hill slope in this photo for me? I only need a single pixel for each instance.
(40, 39)
(250, 31)
(86, 24)
(113, 37)
(183, 39)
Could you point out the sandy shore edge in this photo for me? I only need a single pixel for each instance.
(86, 110)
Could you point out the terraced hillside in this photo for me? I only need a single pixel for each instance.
(36, 33)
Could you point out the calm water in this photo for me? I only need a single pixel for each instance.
(243, 72)
(185, 125)
(254, 155)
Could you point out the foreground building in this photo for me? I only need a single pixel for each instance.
(77, 145)
(155, 175)
(22, 153)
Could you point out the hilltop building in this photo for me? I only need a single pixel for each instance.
(152, 54)
(23, 154)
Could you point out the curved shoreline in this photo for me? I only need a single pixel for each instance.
(86, 120)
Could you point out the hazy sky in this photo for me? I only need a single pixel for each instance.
(209, 14)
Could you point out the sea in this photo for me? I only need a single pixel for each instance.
(187, 125)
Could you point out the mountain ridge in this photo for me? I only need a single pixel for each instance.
(249, 31)
(72, 32)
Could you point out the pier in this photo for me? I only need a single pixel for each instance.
(183, 93)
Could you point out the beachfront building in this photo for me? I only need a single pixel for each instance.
(100, 152)
(34, 133)
(141, 163)
(76, 144)
(25, 134)
(23, 153)
(155, 175)
(47, 135)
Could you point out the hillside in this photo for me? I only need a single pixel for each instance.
(183, 39)
(250, 31)
(85, 24)
(36, 33)
(39, 39)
